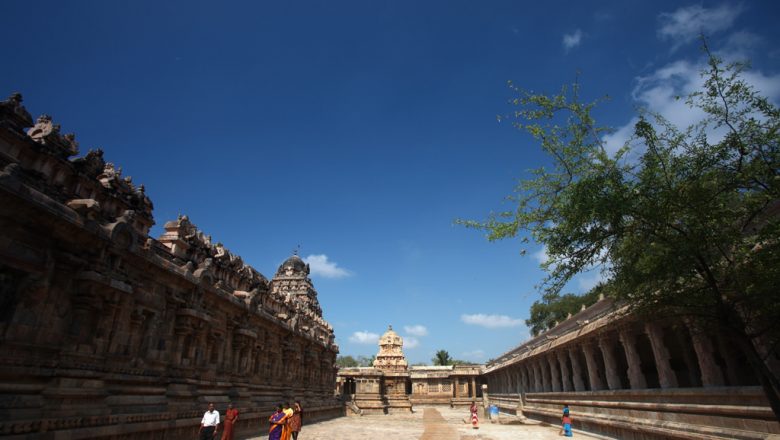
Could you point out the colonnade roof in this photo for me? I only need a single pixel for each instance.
(592, 318)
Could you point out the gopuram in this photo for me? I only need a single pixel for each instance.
(108, 333)
(633, 379)
(391, 386)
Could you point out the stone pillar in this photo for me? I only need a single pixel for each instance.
(455, 385)
(610, 363)
(524, 384)
(540, 382)
(565, 374)
(485, 401)
(635, 375)
(473, 394)
(178, 348)
(593, 367)
(555, 375)
(711, 374)
(666, 376)
(576, 371)
(727, 353)
(521, 376)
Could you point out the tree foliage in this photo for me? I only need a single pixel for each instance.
(351, 362)
(682, 220)
(554, 308)
(442, 357)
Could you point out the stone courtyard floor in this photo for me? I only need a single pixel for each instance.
(438, 423)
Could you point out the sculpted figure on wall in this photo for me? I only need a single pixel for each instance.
(45, 132)
(15, 113)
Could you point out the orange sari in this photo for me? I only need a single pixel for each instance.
(278, 422)
(231, 416)
(287, 430)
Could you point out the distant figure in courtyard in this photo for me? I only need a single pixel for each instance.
(278, 420)
(231, 417)
(296, 420)
(474, 417)
(566, 422)
(209, 424)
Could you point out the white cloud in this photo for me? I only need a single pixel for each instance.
(541, 255)
(416, 330)
(615, 141)
(411, 342)
(572, 40)
(320, 265)
(664, 92)
(686, 24)
(491, 321)
(741, 42)
(364, 338)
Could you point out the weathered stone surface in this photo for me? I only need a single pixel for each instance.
(664, 379)
(106, 332)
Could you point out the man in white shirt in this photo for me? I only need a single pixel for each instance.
(209, 424)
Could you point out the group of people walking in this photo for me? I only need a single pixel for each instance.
(285, 423)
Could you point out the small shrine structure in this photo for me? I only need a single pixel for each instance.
(391, 386)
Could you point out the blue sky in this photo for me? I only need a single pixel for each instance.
(361, 130)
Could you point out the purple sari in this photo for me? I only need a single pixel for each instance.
(276, 430)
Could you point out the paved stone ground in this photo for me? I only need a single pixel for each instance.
(439, 423)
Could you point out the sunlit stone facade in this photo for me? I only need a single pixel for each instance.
(106, 332)
(391, 386)
(633, 379)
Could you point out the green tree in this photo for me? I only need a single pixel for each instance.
(366, 361)
(346, 362)
(554, 307)
(683, 221)
(442, 357)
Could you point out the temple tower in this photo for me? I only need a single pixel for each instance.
(392, 363)
(293, 283)
(391, 356)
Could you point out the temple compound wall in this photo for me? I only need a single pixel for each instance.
(106, 332)
(391, 386)
(633, 379)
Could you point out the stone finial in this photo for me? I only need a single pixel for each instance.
(582, 308)
(12, 111)
(43, 128)
(71, 144)
(92, 164)
(46, 132)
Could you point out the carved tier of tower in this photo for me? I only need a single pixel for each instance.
(293, 283)
(391, 356)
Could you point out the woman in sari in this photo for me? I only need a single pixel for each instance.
(288, 412)
(231, 417)
(474, 418)
(296, 420)
(278, 421)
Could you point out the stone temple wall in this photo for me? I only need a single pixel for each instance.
(106, 332)
(633, 379)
